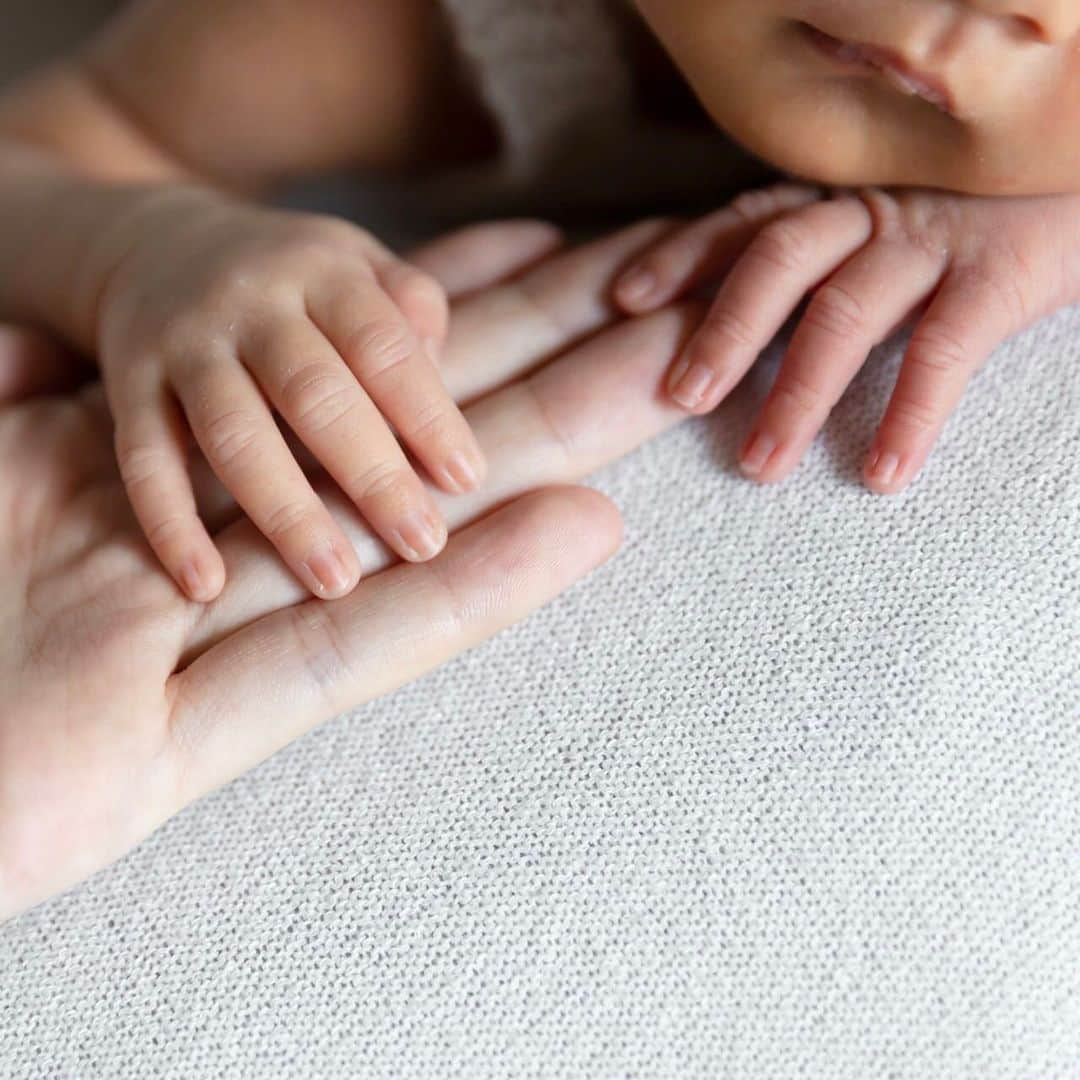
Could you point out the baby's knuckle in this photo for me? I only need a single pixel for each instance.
(1005, 273)
(911, 415)
(380, 480)
(836, 310)
(138, 462)
(317, 396)
(726, 327)
(380, 346)
(783, 244)
(286, 518)
(795, 394)
(230, 436)
(168, 530)
(430, 424)
(184, 333)
(936, 346)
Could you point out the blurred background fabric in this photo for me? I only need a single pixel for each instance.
(790, 789)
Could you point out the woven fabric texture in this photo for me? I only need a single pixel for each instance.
(789, 789)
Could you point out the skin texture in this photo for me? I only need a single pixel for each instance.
(205, 312)
(1013, 66)
(95, 752)
(963, 221)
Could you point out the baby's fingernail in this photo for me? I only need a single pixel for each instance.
(421, 536)
(637, 287)
(462, 472)
(756, 453)
(691, 383)
(193, 583)
(328, 575)
(882, 466)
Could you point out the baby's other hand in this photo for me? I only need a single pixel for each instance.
(219, 313)
(977, 270)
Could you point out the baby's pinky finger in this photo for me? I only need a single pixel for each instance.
(153, 466)
(963, 325)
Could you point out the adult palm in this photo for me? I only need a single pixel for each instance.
(123, 702)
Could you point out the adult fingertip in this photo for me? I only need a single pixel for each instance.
(596, 520)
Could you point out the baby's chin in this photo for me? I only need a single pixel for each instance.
(866, 143)
(832, 141)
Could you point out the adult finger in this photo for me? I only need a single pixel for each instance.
(503, 332)
(582, 411)
(261, 688)
(480, 256)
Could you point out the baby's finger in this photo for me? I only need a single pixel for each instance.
(421, 299)
(419, 296)
(246, 450)
(852, 312)
(786, 259)
(961, 328)
(152, 457)
(365, 327)
(321, 401)
(705, 248)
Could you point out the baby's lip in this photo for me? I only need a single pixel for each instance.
(896, 68)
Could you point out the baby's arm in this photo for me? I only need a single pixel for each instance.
(122, 230)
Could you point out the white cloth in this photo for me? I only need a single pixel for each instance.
(790, 789)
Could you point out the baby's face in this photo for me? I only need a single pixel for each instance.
(981, 96)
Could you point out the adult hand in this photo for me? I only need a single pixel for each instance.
(123, 702)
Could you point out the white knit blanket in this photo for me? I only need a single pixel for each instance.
(790, 789)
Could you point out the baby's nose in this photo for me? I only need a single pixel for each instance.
(1050, 21)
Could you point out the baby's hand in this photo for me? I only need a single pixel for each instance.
(978, 270)
(218, 314)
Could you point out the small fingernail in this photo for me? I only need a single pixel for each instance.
(691, 383)
(421, 536)
(462, 473)
(882, 466)
(637, 287)
(756, 453)
(328, 572)
(193, 583)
